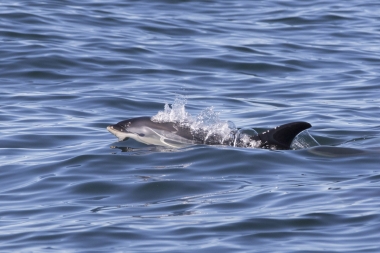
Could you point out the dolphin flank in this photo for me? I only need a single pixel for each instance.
(172, 134)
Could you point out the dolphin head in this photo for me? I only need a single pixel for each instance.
(130, 128)
(144, 130)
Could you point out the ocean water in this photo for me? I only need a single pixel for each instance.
(69, 69)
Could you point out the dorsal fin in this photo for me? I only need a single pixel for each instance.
(282, 136)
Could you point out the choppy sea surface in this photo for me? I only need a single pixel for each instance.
(68, 69)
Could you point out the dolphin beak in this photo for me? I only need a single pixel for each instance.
(111, 130)
(118, 133)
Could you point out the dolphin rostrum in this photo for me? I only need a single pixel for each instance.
(172, 134)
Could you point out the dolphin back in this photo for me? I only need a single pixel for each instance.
(282, 136)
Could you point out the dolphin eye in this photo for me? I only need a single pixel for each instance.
(142, 135)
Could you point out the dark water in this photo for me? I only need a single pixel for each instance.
(68, 69)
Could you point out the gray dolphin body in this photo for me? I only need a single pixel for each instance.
(171, 134)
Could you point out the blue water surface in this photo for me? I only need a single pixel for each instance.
(68, 69)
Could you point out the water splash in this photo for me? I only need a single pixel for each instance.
(206, 125)
(210, 129)
(304, 140)
(175, 113)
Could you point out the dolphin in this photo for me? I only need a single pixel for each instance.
(174, 134)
